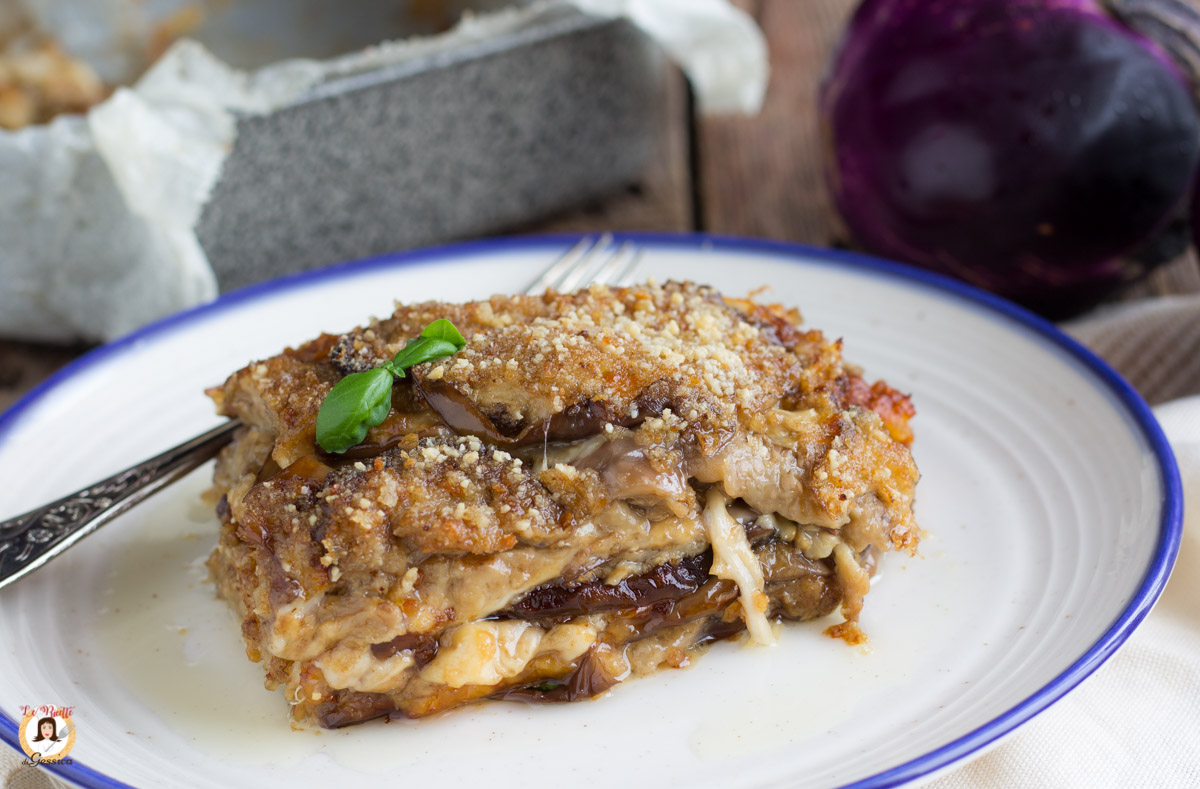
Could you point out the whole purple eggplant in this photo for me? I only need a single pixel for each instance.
(1026, 146)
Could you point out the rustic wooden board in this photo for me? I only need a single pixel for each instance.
(25, 365)
(761, 176)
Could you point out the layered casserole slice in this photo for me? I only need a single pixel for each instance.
(599, 485)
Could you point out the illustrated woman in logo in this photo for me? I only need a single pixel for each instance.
(46, 742)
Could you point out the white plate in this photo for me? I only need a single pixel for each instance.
(1050, 497)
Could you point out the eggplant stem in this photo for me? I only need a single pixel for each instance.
(1172, 24)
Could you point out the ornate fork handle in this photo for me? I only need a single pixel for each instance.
(28, 541)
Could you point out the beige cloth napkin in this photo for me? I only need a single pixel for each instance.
(16, 775)
(1154, 343)
(1136, 721)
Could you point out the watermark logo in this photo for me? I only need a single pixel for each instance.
(47, 734)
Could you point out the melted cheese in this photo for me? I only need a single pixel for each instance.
(733, 560)
(483, 653)
(357, 669)
(304, 629)
(488, 653)
(569, 640)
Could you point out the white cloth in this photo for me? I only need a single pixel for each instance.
(719, 47)
(98, 213)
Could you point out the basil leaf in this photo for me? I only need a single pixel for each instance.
(360, 401)
(423, 349)
(442, 329)
(353, 406)
(391, 367)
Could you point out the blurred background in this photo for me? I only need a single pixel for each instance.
(657, 164)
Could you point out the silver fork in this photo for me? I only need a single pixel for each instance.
(30, 540)
(594, 257)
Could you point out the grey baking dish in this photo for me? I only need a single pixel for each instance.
(486, 136)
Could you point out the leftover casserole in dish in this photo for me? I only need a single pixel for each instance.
(597, 486)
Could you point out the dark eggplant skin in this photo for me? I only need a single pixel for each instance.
(1024, 146)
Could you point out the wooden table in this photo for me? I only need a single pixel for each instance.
(757, 176)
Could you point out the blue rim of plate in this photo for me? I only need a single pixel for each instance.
(1170, 527)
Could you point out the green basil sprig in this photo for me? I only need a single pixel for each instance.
(360, 401)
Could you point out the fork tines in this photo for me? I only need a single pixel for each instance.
(590, 260)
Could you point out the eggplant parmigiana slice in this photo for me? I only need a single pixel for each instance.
(600, 484)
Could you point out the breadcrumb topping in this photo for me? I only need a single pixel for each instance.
(529, 357)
